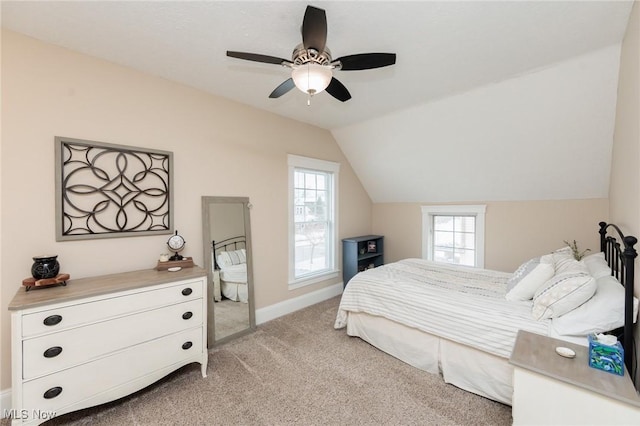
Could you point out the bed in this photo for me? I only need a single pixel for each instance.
(229, 260)
(461, 322)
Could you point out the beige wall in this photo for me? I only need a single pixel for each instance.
(49, 91)
(514, 231)
(624, 192)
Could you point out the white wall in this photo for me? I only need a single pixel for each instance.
(544, 135)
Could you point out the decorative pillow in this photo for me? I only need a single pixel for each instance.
(564, 261)
(563, 264)
(566, 250)
(229, 258)
(597, 265)
(528, 277)
(603, 312)
(562, 293)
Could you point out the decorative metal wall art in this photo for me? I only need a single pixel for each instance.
(106, 190)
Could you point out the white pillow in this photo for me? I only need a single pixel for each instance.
(603, 312)
(564, 261)
(242, 254)
(229, 258)
(224, 259)
(564, 250)
(597, 265)
(528, 277)
(562, 293)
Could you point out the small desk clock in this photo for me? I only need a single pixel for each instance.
(176, 244)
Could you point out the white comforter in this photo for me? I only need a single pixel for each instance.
(234, 273)
(462, 304)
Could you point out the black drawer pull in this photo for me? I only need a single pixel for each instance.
(52, 352)
(52, 320)
(53, 392)
(187, 315)
(187, 291)
(186, 345)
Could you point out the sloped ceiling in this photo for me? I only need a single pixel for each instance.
(488, 100)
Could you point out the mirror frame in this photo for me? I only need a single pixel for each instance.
(206, 240)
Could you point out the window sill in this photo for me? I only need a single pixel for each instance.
(313, 279)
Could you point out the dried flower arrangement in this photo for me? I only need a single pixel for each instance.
(577, 254)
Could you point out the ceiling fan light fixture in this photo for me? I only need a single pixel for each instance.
(311, 78)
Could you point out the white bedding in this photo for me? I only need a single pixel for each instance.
(233, 282)
(234, 273)
(462, 304)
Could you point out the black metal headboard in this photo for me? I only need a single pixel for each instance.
(230, 244)
(620, 255)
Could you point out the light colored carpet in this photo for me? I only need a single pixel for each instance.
(298, 370)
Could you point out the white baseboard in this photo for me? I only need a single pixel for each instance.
(288, 306)
(5, 402)
(262, 315)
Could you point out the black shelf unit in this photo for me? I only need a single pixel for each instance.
(361, 253)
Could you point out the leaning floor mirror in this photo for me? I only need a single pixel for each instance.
(228, 260)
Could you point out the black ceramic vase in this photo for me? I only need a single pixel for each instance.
(45, 267)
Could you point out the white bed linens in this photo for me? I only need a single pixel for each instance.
(234, 273)
(465, 305)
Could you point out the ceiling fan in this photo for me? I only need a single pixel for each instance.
(311, 63)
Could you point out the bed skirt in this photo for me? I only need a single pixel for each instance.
(238, 292)
(460, 365)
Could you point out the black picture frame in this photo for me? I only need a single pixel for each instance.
(372, 247)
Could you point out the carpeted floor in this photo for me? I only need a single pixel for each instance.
(298, 370)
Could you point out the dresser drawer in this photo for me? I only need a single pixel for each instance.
(52, 320)
(71, 386)
(56, 351)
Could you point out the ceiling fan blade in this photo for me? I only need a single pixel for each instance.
(258, 58)
(366, 61)
(283, 88)
(337, 90)
(314, 29)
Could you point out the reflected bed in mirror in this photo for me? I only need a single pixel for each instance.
(227, 254)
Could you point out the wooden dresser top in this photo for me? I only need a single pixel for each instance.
(96, 286)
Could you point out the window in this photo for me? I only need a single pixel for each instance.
(312, 220)
(454, 234)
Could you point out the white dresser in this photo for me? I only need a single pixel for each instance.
(101, 338)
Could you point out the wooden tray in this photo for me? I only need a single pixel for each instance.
(60, 279)
(187, 262)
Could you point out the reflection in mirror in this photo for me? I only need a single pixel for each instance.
(227, 254)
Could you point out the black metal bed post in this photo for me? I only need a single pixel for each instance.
(213, 251)
(603, 239)
(629, 254)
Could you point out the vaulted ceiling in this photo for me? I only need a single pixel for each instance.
(503, 100)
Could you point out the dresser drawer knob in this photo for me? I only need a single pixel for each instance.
(52, 320)
(186, 345)
(187, 291)
(187, 315)
(52, 352)
(53, 392)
